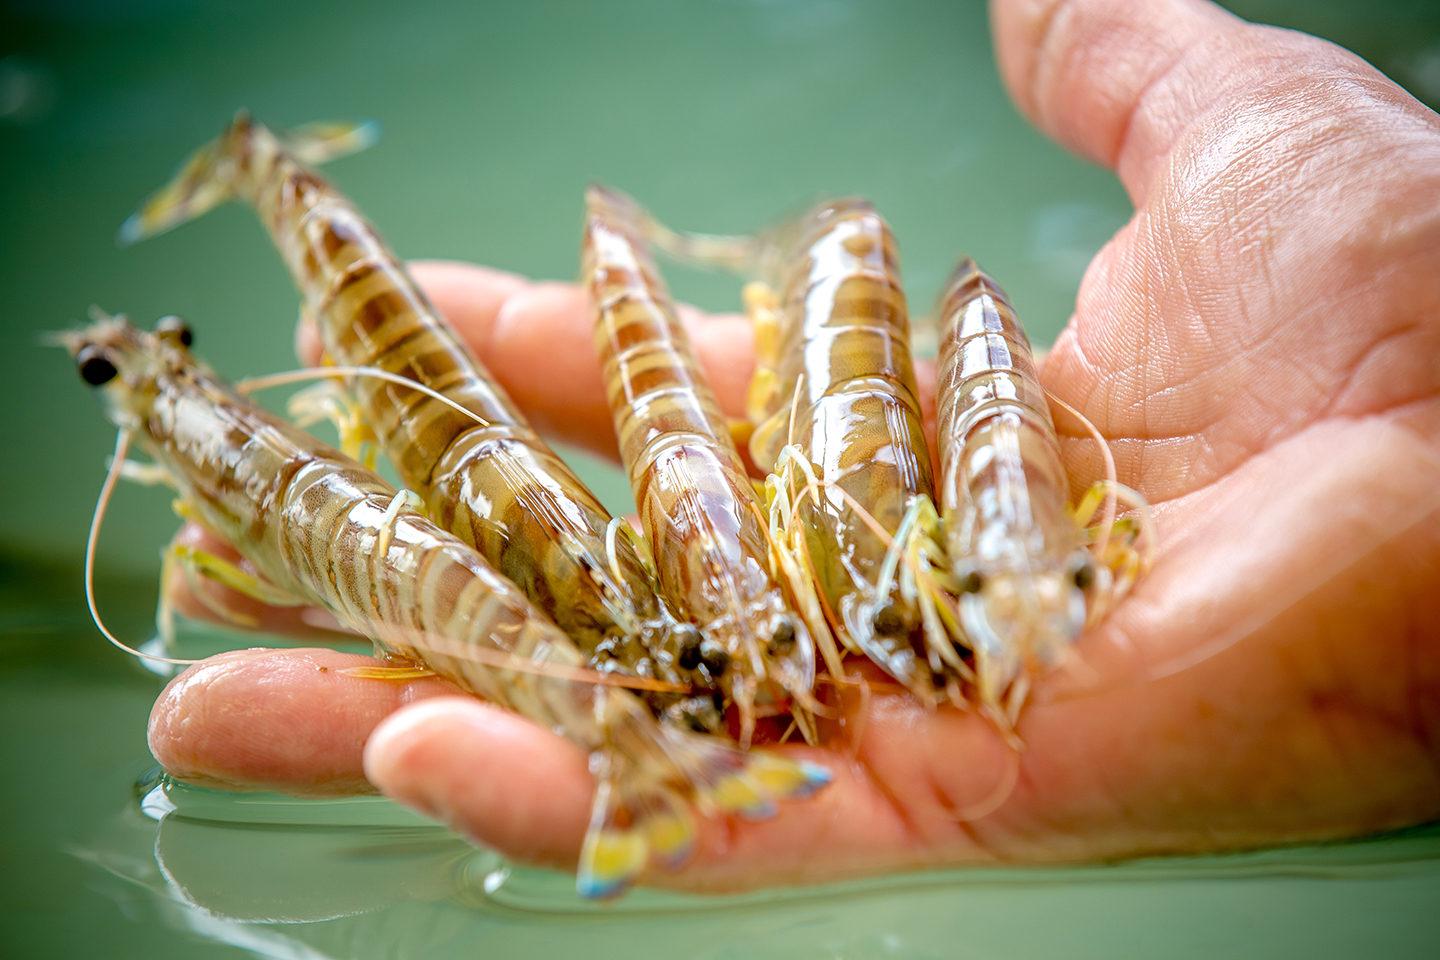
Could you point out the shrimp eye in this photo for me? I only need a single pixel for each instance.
(888, 622)
(972, 583)
(716, 660)
(173, 328)
(1084, 576)
(782, 641)
(95, 368)
(688, 641)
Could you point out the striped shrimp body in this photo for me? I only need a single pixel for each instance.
(494, 483)
(324, 530)
(697, 506)
(834, 394)
(1030, 576)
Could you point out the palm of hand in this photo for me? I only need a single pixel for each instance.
(1258, 345)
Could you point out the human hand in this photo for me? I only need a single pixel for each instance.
(1259, 346)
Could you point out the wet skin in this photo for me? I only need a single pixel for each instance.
(1259, 343)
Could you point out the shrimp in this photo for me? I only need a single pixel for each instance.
(488, 478)
(324, 530)
(1029, 576)
(833, 398)
(697, 506)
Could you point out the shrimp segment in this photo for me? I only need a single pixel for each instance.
(834, 383)
(697, 506)
(323, 529)
(494, 483)
(1018, 554)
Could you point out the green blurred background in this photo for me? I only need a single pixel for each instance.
(720, 116)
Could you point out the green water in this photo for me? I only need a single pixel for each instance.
(719, 115)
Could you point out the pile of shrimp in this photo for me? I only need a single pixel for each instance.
(670, 648)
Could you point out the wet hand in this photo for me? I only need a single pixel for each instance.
(1258, 344)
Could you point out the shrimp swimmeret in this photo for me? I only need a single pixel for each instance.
(321, 529)
(483, 472)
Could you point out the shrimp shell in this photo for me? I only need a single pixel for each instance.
(697, 506)
(495, 484)
(1019, 555)
(838, 382)
(324, 529)
(838, 423)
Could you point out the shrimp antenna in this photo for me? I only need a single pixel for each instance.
(1111, 484)
(112, 476)
(794, 408)
(1008, 781)
(251, 384)
(504, 660)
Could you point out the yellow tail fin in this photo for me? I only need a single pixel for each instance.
(208, 177)
(635, 820)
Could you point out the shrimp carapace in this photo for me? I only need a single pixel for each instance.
(321, 528)
(706, 526)
(488, 477)
(1025, 573)
(834, 382)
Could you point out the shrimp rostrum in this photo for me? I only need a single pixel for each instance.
(706, 527)
(322, 529)
(1031, 572)
(482, 471)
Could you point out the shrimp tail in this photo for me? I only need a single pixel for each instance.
(737, 254)
(208, 177)
(630, 822)
(198, 187)
(634, 819)
(316, 143)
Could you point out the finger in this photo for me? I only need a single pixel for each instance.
(514, 787)
(489, 774)
(517, 788)
(1282, 186)
(1118, 82)
(283, 720)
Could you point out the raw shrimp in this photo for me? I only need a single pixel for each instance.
(1029, 578)
(833, 400)
(706, 527)
(494, 483)
(323, 530)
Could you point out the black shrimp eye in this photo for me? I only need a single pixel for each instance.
(95, 368)
(176, 329)
(1084, 576)
(888, 622)
(782, 641)
(972, 583)
(688, 642)
(716, 660)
